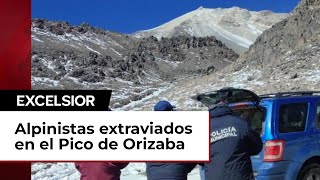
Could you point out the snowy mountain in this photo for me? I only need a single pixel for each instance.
(285, 57)
(237, 28)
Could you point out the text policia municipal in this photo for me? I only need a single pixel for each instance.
(120, 129)
(53, 100)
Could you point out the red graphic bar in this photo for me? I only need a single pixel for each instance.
(15, 44)
(15, 65)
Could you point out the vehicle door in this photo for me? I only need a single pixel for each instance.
(294, 125)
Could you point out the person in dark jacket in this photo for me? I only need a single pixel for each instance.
(168, 171)
(100, 170)
(232, 144)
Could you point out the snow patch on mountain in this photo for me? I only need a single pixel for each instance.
(231, 25)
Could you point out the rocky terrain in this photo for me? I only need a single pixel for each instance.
(289, 35)
(297, 71)
(84, 57)
(237, 28)
(284, 58)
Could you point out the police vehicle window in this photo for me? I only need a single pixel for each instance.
(254, 116)
(292, 117)
(318, 116)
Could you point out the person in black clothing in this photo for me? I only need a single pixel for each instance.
(232, 144)
(168, 171)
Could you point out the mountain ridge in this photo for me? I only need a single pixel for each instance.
(291, 34)
(236, 27)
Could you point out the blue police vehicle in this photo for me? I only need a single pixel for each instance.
(289, 125)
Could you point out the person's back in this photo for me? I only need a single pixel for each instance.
(232, 144)
(169, 171)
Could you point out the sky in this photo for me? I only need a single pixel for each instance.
(128, 16)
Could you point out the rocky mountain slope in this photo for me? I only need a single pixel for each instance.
(306, 5)
(297, 71)
(237, 28)
(84, 57)
(295, 32)
(284, 58)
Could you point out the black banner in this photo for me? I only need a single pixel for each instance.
(54, 100)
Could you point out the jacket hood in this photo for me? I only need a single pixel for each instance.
(219, 110)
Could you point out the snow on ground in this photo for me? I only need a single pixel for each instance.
(173, 63)
(179, 94)
(35, 38)
(93, 50)
(54, 171)
(116, 52)
(131, 106)
(312, 76)
(88, 40)
(46, 81)
(278, 77)
(123, 81)
(232, 37)
(254, 29)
